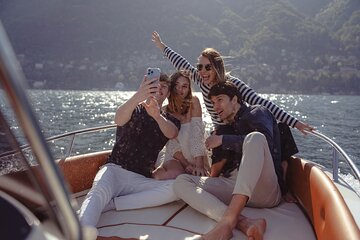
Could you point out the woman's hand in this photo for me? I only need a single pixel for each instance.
(200, 171)
(155, 37)
(189, 168)
(301, 126)
(201, 167)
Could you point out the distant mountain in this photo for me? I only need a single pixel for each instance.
(337, 13)
(273, 45)
(310, 8)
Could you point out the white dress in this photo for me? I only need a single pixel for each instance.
(190, 141)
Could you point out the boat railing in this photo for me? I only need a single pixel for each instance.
(335, 159)
(71, 134)
(337, 150)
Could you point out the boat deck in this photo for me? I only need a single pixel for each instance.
(177, 220)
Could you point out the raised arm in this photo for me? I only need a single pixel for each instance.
(124, 112)
(178, 61)
(251, 97)
(167, 127)
(155, 37)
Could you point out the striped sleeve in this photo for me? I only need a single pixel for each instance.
(251, 97)
(180, 63)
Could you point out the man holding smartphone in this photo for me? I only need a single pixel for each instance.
(143, 130)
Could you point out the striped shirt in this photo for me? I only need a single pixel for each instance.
(248, 94)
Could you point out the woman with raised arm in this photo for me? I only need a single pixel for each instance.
(211, 70)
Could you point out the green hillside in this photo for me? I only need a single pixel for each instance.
(273, 45)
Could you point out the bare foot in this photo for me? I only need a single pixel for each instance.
(221, 231)
(254, 229)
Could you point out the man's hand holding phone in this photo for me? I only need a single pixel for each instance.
(153, 75)
(153, 79)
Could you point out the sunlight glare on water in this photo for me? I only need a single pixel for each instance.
(335, 116)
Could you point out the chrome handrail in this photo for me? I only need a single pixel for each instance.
(335, 161)
(73, 134)
(13, 81)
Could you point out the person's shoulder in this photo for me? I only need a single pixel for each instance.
(260, 110)
(229, 77)
(196, 107)
(252, 109)
(195, 100)
(171, 118)
(234, 80)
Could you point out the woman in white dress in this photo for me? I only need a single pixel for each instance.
(186, 153)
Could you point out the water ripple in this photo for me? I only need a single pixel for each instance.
(335, 116)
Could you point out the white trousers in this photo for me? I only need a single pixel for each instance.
(256, 178)
(128, 189)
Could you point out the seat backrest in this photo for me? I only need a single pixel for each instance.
(79, 171)
(321, 200)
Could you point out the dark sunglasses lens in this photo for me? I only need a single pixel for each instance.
(200, 67)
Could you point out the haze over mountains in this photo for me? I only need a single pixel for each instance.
(273, 45)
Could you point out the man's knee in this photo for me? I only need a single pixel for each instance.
(255, 138)
(181, 181)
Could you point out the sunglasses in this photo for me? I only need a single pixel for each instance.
(208, 67)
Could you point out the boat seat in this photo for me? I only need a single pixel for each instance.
(73, 169)
(323, 203)
(177, 221)
(324, 214)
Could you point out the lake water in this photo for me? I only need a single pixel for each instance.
(335, 116)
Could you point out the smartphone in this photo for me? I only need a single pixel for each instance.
(153, 74)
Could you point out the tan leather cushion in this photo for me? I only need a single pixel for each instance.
(323, 203)
(80, 172)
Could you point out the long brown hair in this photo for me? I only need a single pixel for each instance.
(176, 103)
(216, 61)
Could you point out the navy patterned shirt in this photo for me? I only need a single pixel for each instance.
(139, 142)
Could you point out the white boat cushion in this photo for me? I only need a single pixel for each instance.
(178, 221)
